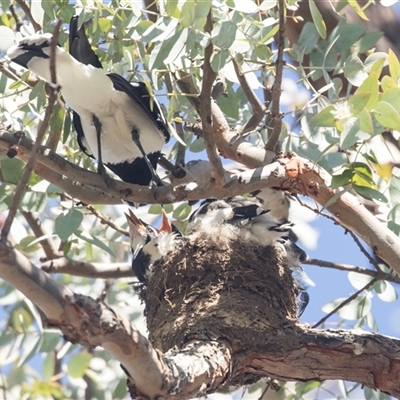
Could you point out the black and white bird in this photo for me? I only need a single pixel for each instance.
(149, 244)
(240, 218)
(117, 122)
(249, 220)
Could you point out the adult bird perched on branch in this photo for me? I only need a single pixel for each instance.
(117, 122)
(149, 244)
(245, 220)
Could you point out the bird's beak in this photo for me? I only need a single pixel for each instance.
(165, 224)
(135, 225)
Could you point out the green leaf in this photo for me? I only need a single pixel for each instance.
(345, 35)
(155, 209)
(368, 41)
(324, 118)
(317, 18)
(171, 8)
(392, 96)
(359, 280)
(182, 211)
(188, 13)
(219, 59)
(37, 90)
(371, 87)
(67, 223)
(25, 245)
(30, 347)
(342, 180)
(365, 120)
(369, 193)
(358, 9)
(308, 38)
(385, 291)
(351, 134)
(78, 364)
(387, 83)
(358, 102)
(387, 115)
(394, 190)
(167, 51)
(269, 36)
(357, 308)
(362, 174)
(87, 237)
(262, 51)
(197, 146)
(48, 366)
(34, 201)
(394, 66)
(50, 340)
(354, 70)
(229, 104)
(202, 10)
(224, 34)
(12, 170)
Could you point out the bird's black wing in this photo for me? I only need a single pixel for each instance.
(245, 213)
(79, 46)
(138, 92)
(206, 206)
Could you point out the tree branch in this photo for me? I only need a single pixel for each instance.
(205, 111)
(83, 184)
(259, 109)
(353, 355)
(66, 265)
(345, 302)
(47, 245)
(277, 87)
(353, 268)
(25, 8)
(191, 372)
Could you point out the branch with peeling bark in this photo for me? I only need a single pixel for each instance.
(202, 367)
(293, 173)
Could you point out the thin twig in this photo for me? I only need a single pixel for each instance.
(17, 18)
(258, 108)
(277, 87)
(66, 265)
(343, 303)
(205, 111)
(352, 268)
(25, 8)
(47, 245)
(352, 234)
(42, 130)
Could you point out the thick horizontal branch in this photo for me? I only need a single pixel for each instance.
(348, 210)
(66, 265)
(179, 374)
(83, 184)
(201, 367)
(367, 358)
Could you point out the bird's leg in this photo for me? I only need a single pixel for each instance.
(135, 137)
(100, 166)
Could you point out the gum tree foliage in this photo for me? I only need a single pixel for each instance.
(347, 126)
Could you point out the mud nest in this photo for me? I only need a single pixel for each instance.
(211, 290)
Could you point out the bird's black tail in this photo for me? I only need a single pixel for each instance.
(79, 46)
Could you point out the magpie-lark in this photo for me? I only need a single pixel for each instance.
(149, 244)
(117, 122)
